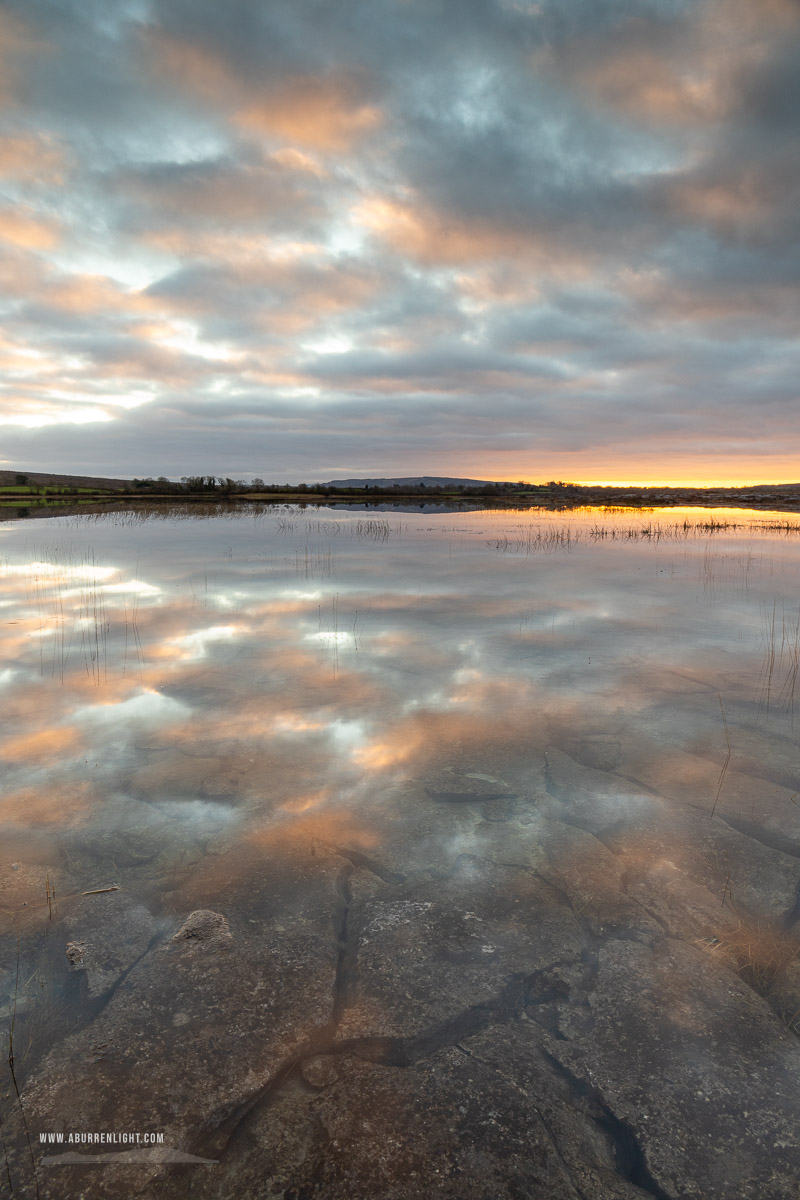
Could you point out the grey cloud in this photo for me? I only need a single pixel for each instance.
(175, 439)
(218, 190)
(524, 227)
(454, 366)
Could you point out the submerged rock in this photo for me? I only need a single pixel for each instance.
(594, 799)
(106, 934)
(466, 787)
(75, 953)
(431, 954)
(762, 810)
(204, 926)
(546, 1006)
(697, 1068)
(200, 1026)
(477, 1119)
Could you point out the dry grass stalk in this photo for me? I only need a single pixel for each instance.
(759, 952)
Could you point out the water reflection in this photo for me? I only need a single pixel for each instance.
(169, 659)
(190, 703)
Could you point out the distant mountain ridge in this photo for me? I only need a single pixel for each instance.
(410, 481)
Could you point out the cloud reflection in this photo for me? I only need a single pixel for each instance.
(275, 728)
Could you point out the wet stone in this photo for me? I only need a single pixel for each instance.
(107, 850)
(223, 787)
(202, 1023)
(680, 1052)
(444, 948)
(204, 926)
(488, 1116)
(784, 994)
(456, 787)
(751, 877)
(173, 774)
(106, 934)
(682, 908)
(596, 800)
(762, 810)
(15, 1006)
(75, 953)
(320, 1071)
(368, 943)
(592, 879)
(500, 808)
(599, 750)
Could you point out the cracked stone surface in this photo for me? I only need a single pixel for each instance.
(697, 1066)
(165, 1042)
(525, 992)
(488, 1116)
(426, 955)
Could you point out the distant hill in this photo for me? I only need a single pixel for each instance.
(409, 481)
(49, 479)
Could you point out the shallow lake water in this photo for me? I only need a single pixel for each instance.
(311, 722)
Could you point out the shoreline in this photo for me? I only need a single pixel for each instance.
(563, 499)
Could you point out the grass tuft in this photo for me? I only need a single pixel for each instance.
(759, 952)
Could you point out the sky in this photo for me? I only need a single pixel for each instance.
(484, 238)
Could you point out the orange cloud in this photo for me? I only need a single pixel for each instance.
(681, 82)
(30, 157)
(666, 297)
(326, 113)
(734, 204)
(425, 235)
(93, 293)
(487, 720)
(298, 161)
(482, 286)
(744, 17)
(336, 826)
(61, 806)
(21, 228)
(642, 83)
(434, 238)
(229, 246)
(46, 744)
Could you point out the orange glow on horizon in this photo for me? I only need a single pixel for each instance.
(639, 466)
(760, 480)
(685, 483)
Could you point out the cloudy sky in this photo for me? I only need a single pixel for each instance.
(490, 238)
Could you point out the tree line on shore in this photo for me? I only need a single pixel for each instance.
(223, 485)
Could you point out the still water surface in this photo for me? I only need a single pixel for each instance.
(186, 698)
(230, 677)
